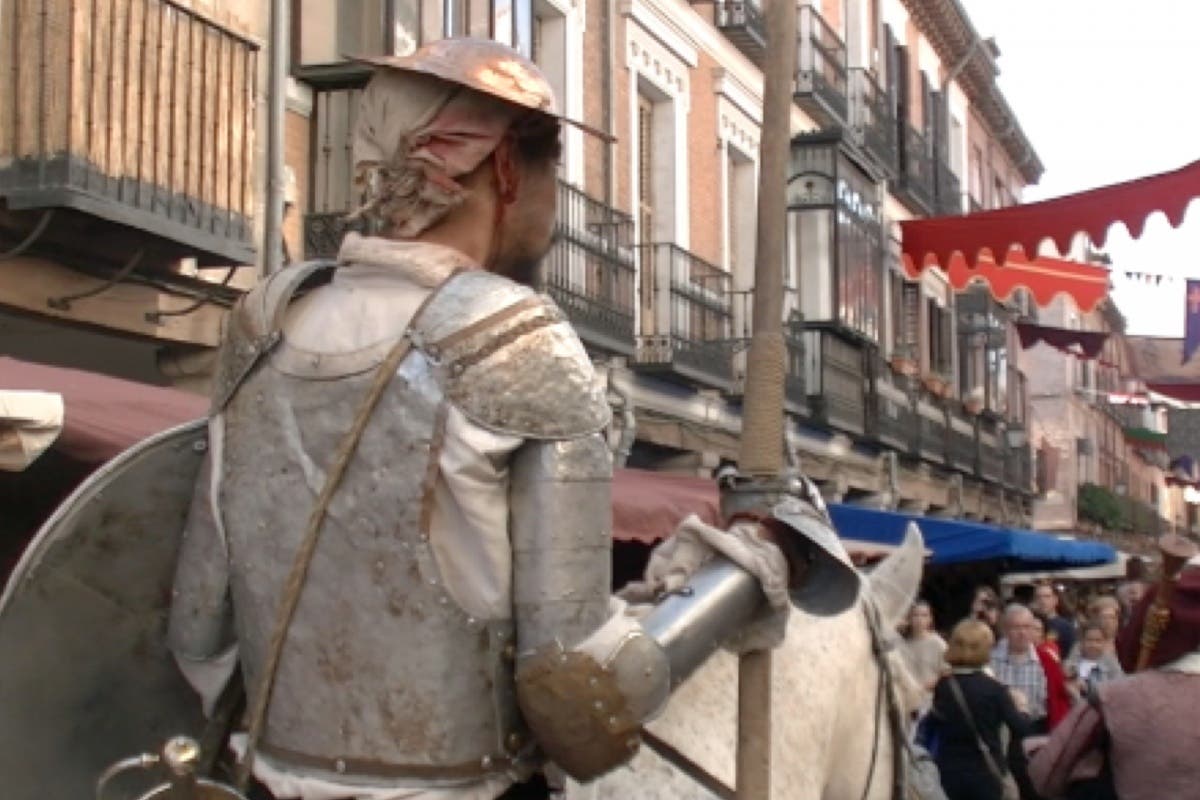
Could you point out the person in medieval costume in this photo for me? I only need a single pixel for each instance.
(403, 529)
(1136, 737)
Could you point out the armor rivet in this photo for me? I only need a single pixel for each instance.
(200, 445)
(443, 600)
(563, 658)
(258, 398)
(513, 742)
(339, 766)
(471, 621)
(500, 635)
(649, 671)
(486, 762)
(599, 705)
(174, 593)
(433, 581)
(510, 652)
(632, 743)
(612, 722)
(593, 682)
(379, 565)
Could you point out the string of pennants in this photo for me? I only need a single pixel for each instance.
(1152, 278)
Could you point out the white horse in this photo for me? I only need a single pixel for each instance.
(832, 738)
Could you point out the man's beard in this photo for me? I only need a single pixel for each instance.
(527, 268)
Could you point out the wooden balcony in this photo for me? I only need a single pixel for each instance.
(590, 270)
(742, 23)
(686, 331)
(872, 121)
(132, 122)
(836, 377)
(915, 183)
(822, 87)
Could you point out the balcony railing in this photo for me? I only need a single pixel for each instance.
(692, 296)
(821, 75)
(872, 120)
(991, 450)
(915, 183)
(894, 423)
(949, 190)
(931, 433)
(961, 449)
(590, 270)
(742, 23)
(140, 114)
(836, 377)
(794, 393)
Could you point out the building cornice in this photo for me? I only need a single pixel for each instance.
(949, 30)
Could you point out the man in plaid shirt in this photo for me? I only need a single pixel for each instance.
(1016, 665)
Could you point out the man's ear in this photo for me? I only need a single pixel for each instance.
(508, 172)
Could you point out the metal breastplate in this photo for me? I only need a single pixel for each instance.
(383, 674)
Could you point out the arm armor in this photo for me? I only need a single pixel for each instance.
(587, 679)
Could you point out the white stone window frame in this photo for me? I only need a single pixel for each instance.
(565, 72)
(739, 131)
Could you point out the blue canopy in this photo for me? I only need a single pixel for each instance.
(956, 541)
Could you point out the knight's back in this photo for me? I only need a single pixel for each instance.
(344, 693)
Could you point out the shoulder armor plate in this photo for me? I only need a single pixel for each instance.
(253, 325)
(512, 362)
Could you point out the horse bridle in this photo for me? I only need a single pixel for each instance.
(885, 691)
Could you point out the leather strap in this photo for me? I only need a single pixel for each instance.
(984, 750)
(361, 767)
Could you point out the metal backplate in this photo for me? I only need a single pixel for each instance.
(85, 676)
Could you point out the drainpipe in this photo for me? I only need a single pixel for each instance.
(607, 25)
(276, 95)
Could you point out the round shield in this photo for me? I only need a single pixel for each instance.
(85, 675)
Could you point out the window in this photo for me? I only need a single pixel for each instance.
(645, 167)
(859, 264)
(939, 332)
(906, 314)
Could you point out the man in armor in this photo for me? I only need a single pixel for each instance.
(402, 531)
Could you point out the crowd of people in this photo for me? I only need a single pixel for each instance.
(1011, 673)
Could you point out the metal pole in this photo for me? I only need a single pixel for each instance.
(276, 92)
(761, 449)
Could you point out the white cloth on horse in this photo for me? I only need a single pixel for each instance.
(674, 561)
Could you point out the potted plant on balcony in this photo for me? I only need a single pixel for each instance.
(903, 362)
(936, 384)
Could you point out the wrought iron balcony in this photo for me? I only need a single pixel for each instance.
(1018, 472)
(686, 327)
(794, 396)
(134, 123)
(895, 425)
(821, 75)
(590, 270)
(872, 120)
(949, 190)
(915, 183)
(836, 377)
(742, 23)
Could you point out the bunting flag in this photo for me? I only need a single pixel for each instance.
(1155, 278)
(1191, 336)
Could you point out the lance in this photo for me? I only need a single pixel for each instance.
(760, 453)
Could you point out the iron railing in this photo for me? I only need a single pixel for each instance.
(915, 183)
(949, 190)
(743, 24)
(693, 297)
(961, 443)
(872, 119)
(140, 113)
(590, 270)
(742, 306)
(821, 73)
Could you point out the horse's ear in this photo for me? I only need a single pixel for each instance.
(894, 583)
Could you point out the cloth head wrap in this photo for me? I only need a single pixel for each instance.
(1182, 635)
(415, 135)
